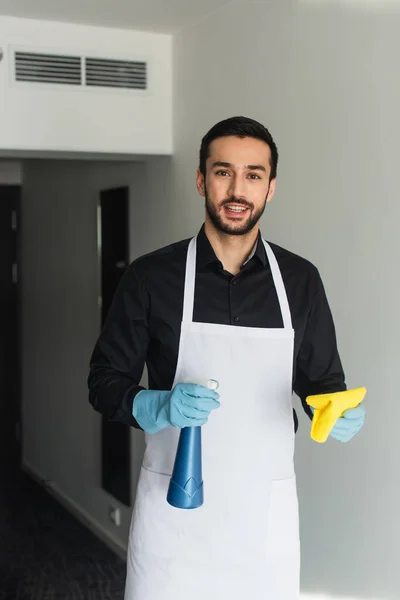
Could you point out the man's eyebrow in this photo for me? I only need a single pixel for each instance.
(256, 168)
(227, 165)
(218, 163)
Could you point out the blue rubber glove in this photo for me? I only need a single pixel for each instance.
(349, 424)
(187, 405)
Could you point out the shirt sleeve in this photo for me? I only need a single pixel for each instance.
(319, 368)
(119, 356)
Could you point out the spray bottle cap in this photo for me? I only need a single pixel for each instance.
(211, 384)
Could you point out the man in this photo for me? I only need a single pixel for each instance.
(230, 307)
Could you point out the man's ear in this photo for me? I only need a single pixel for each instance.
(272, 189)
(200, 183)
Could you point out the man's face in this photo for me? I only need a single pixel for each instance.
(237, 186)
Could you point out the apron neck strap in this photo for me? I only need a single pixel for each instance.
(190, 277)
(279, 286)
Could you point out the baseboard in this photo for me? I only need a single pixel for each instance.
(77, 511)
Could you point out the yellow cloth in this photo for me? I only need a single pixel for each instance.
(329, 408)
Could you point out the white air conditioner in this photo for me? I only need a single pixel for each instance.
(73, 88)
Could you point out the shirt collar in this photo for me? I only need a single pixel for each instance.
(207, 257)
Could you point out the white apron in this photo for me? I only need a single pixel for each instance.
(244, 541)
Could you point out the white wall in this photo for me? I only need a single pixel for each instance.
(61, 322)
(39, 117)
(323, 76)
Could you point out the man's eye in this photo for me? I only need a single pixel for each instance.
(254, 176)
(222, 173)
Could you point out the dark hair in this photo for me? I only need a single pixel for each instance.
(240, 127)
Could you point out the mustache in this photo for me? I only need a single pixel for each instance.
(238, 201)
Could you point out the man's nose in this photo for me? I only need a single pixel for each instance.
(237, 188)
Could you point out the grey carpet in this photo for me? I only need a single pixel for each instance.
(45, 554)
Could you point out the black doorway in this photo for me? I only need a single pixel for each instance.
(114, 236)
(10, 372)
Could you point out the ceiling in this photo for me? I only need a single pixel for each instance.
(164, 16)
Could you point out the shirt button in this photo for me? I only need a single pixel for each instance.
(236, 319)
(234, 282)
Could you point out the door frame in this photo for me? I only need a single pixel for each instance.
(16, 190)
(120, 491)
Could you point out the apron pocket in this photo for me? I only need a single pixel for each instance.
(153, 521)
(283, 545)
(283, 519)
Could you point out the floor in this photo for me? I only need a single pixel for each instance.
(45, 554)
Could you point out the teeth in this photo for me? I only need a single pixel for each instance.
(236, 208)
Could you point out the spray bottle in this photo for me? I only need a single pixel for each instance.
(186, 489)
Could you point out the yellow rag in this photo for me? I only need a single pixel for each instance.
(329, 408)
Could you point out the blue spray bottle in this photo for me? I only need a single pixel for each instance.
(186, 488)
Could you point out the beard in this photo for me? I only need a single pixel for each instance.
(234, 228)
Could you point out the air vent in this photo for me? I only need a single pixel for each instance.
(116, 73)
(48, 68)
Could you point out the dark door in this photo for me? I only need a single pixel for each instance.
(9, 327)
(115, 439)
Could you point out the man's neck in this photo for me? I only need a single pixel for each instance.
(231, 250)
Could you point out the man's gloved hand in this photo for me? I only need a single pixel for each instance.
(348, 424)
(187, 405)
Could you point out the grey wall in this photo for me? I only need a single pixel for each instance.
(10, 172)
(61, 321)
(323, 76)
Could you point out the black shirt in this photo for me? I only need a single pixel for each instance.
(144, 321)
